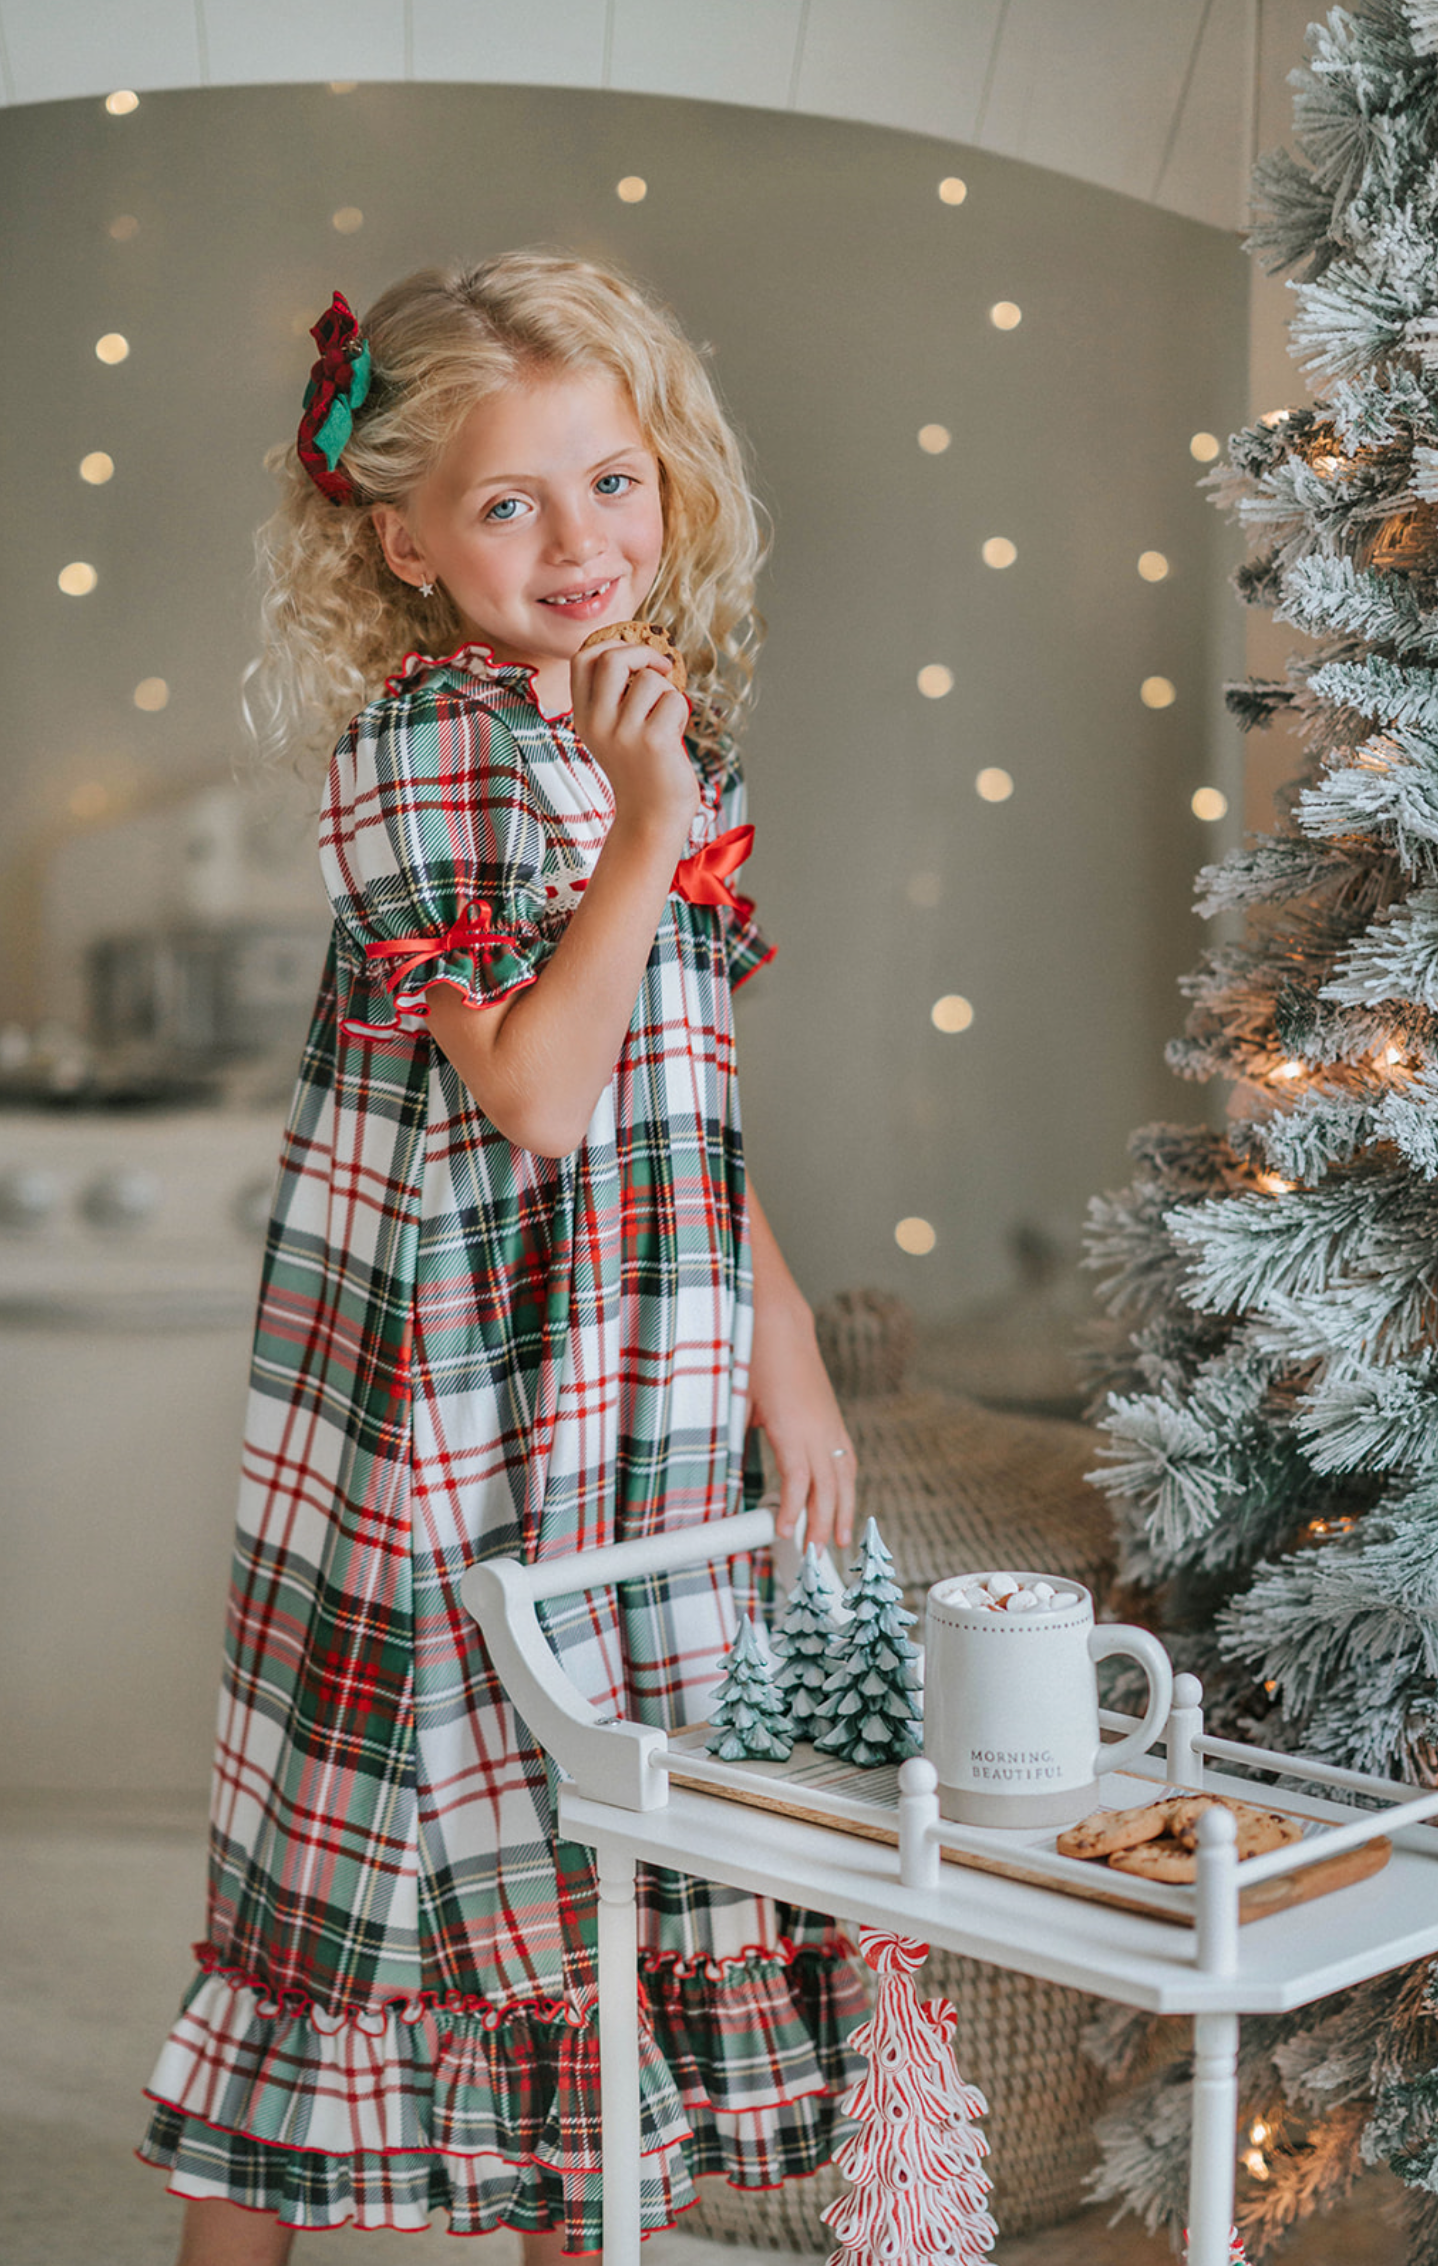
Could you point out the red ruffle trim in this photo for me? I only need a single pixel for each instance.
(574, 2007)
(463, 657)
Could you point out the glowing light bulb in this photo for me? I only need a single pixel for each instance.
(1289, 1069)
(1274, 1184)
(1208, 803)
(915, 1236)
(1256, 2162)
(951, 1013)
(1390, 1055)
(1153, 566)
(934, 439)
(935, 680)
(97, 468)
(1258, 2132)
(152, 694)
(343, 86)
(1205, 447)
(112, 347)
(1273, 417)
(993, 785)
(77, 579)
(1157, 692)
(999, 552)
(91, 799)
(348, 221)
(1004, 315)
(123, 227)
(122, 102)
(632, 190)
(952, 191)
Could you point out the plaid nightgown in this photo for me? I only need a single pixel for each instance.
(464, 1349)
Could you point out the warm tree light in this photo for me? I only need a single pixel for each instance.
(123, 227)
(97, 468)
(1153, 566)
(112, 347)
(1004, 315)
(1288, 1070)
(934, 439)
(632, 190)
(348, 221)
(122, 102)
(1205, 446)
(993, 784)
(915, 1236)
(1157, 692)
(77, 579)
(999, 552)
(935, 680)
(152, 694)
(1209, 803)
(952, 191)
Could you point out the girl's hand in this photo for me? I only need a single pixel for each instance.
(792, 1401)
(632, 719)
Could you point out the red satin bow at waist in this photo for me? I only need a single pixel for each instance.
(704, 878)
(474, 931)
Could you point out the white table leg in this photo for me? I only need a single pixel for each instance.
(619, 2057)
(1215, 2115)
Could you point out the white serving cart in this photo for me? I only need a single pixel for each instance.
(1191, 1957)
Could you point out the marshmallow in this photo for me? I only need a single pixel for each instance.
(1021, 1601)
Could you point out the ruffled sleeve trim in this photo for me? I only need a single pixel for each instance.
(470, 948)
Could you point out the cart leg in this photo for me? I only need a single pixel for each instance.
(1215, 2115)
(619, 2057)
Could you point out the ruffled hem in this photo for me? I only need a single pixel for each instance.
(445, 2103)
(475, 660)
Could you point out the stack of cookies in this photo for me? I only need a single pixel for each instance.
(1159, 1841)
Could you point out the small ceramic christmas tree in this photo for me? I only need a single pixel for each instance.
(915, 2161)
(804, 1640)
(869, 1709)
(748, 1718)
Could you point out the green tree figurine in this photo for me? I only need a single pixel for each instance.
(748, 1718)
(804, 1640)
(869, 1709)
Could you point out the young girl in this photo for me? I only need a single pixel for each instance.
(507, 1301)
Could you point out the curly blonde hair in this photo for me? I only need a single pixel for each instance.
(336, 621)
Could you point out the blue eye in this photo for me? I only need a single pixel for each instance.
(504, 510)
(614, 483)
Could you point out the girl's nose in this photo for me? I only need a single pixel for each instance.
(577, 535)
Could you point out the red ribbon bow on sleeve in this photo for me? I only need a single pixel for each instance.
(704, 878)
(474, 931)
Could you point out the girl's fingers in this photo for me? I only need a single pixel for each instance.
(823, 1499)
(847, 1473)
(793, 1490)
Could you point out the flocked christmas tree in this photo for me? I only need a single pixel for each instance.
(748, 1717)
(916, 2162)
(1273, 1452)
(804, 1636)
(869, 1709)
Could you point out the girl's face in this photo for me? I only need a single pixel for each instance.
(542, 520)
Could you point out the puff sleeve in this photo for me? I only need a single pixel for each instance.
(432, 852)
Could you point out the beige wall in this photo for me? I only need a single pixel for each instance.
(846, 306)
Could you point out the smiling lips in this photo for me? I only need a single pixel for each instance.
(590, 600)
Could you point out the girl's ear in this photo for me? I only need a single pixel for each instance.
(402, 555)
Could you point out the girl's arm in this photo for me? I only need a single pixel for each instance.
(538, 1062)
(792, 1400)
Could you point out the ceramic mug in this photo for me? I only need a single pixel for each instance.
(1011, 1703)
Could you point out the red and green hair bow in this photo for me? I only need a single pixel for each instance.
(339, 384)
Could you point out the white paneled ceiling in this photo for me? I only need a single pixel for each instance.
(1151, 97)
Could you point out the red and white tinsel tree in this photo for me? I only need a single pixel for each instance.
(915, 2161)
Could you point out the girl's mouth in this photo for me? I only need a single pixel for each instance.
(583, 604)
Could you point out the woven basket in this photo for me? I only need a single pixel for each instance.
(955, 1487)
